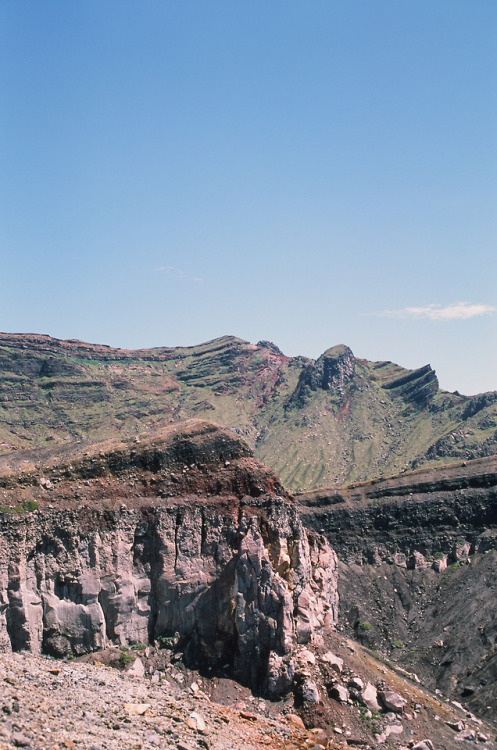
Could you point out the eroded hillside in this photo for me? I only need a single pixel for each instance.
(418, 572)
(178, 560)
(335, 420)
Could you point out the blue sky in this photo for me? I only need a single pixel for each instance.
(312, 173)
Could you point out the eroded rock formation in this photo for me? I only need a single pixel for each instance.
(166, 542)
(331, 372)
(417, 572)
(325, 422)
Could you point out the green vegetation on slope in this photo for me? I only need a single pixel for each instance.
(316, 423)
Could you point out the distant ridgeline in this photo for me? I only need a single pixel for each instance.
(324, 422)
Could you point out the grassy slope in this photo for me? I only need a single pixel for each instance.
(50, 394)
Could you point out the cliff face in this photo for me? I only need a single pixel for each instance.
(430, 511)
(235, 576)
(331, 372)
(417, 572)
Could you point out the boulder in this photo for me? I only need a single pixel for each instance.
(355, 683)
(306, 657)
(335, 662)
(136, 669)
(339, 693)
(467, 735)
(369, 697)
(457, 726)
(440, 565)
(196, 722)
(310, 692)
(416, 561)
(295, 720)
(392, 701)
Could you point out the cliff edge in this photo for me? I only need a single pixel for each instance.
(180, 535)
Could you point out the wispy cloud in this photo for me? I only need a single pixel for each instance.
(177, 273)
(454, 311)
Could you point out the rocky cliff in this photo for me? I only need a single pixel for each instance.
(430, 511)
(331, 372)
(181, 535)
(417, 572)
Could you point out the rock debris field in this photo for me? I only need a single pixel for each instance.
(50, 704)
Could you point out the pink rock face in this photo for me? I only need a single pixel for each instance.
(240, 580)
(440, 565)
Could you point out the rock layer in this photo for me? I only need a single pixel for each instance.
(429, 511)
(234, 577)
(418, 555)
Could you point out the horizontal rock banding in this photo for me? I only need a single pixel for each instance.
(135, 555)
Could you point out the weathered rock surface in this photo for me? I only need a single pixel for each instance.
(339, 693)
(369, 697)
(417, 572)
(392, 701)
(237, 577)
(333, 370)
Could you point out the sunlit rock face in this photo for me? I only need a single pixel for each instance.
(234, 576)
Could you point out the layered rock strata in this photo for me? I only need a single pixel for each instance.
(417, 572)
(434, 512)
(159, 540)
(330, 421)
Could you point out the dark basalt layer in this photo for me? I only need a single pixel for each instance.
(417, 567)
(430, 510)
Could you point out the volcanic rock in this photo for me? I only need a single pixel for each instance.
(198, 561)
(369, 697)
(392, 701)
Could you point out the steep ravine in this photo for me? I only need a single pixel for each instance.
(418, 572)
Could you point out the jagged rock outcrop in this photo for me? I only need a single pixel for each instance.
(271, 346)
(235, 577)
(330, 372)
(417, 387)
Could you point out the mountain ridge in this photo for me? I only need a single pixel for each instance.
(330, 421)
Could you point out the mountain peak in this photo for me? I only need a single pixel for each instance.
(338, 351)
(330, 372)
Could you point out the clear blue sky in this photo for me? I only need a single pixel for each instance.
(312, 172)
